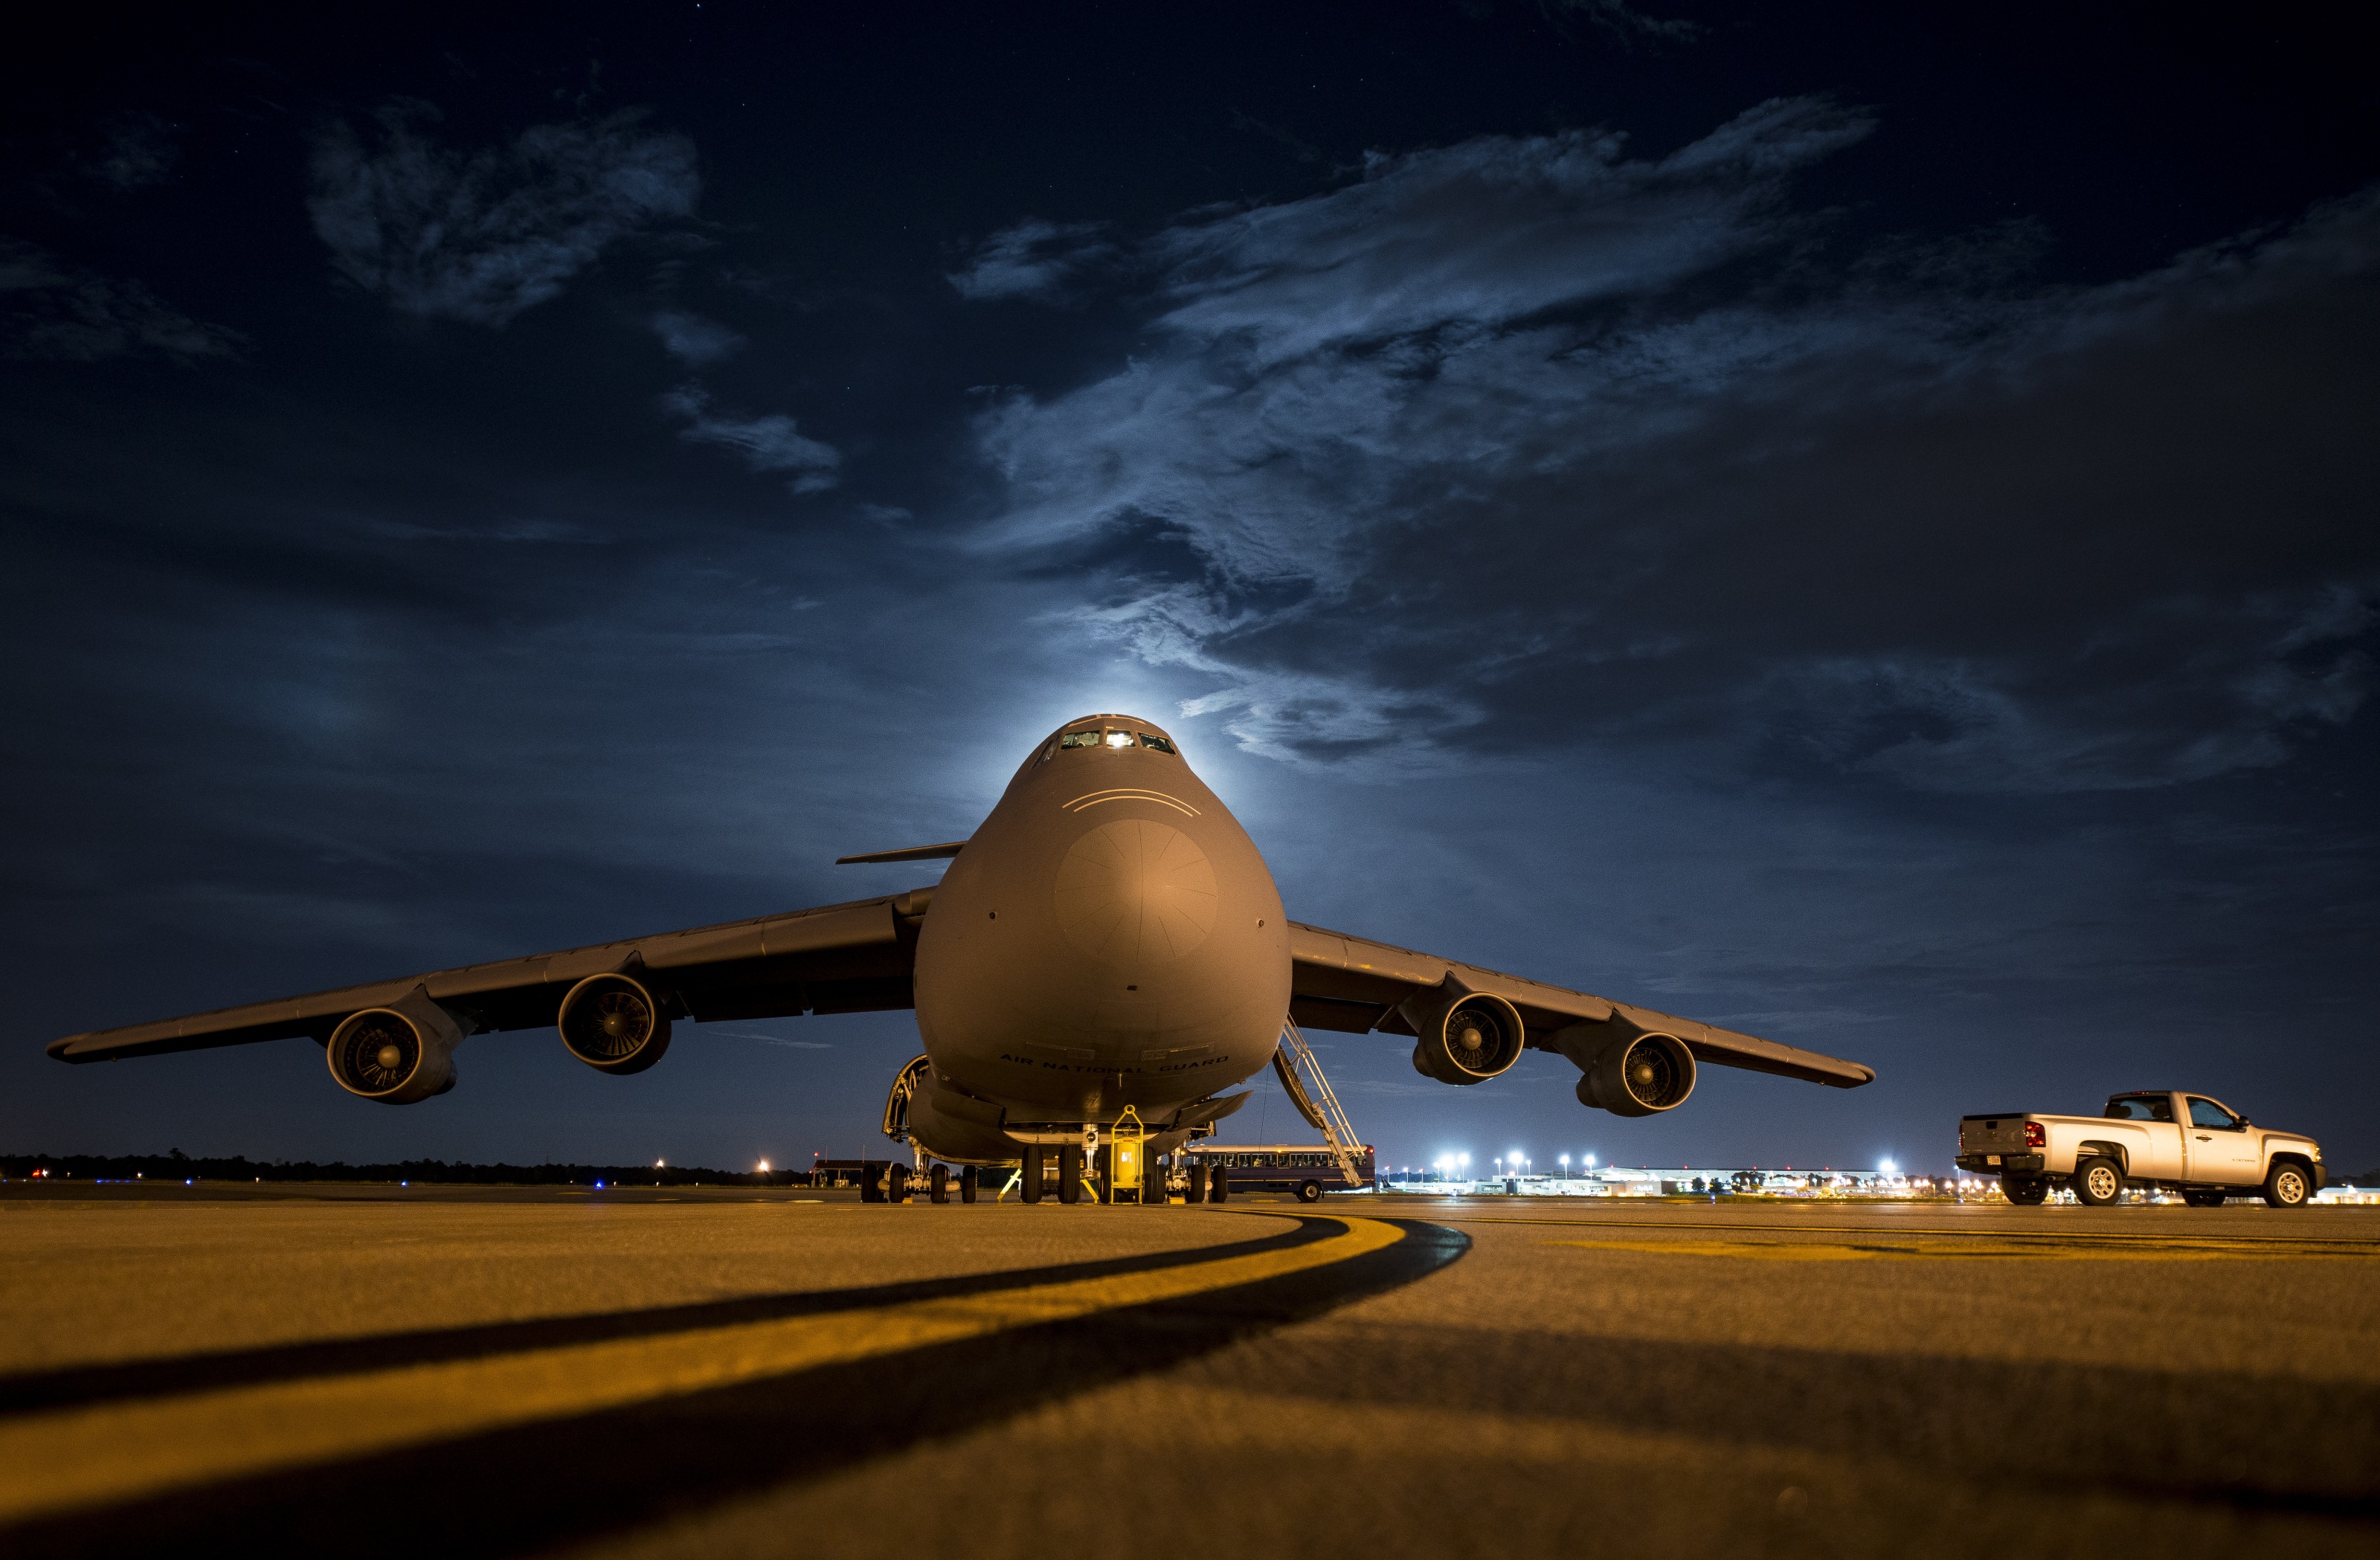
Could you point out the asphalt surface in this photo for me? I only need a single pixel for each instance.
(727, 1372)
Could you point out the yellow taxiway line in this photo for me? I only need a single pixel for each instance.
(67, 1459)
(1889, 1232)
(1888, 1248)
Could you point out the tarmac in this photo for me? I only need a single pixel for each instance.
(729, 1372)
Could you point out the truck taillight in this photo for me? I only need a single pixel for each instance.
(2035, 1136)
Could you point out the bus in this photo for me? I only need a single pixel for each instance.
(1304, 1168)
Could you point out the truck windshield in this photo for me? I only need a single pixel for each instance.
(2140, 1107)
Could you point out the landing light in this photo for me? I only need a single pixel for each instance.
(764, 1166)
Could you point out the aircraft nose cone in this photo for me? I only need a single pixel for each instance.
(1135, 892)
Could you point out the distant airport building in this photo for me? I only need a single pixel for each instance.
(1684, 1180)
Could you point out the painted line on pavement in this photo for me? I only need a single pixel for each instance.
(62, 1461)
(1889, 1232)
(1835, 1251)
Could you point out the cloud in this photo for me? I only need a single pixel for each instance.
(480, 238)
(768, 443)
(141, 150)
(693, 340)
(1625, 21)
(1526, 436)
(49, 309)
(1033, 259)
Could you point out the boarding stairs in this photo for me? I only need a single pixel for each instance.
(1300, 1078)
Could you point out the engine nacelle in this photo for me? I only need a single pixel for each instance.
(398, 1055)
(613, 1024)
(1638, 1073)
(1466, 1036)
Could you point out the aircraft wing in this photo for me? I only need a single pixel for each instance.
(837, 959)
(1355, 985)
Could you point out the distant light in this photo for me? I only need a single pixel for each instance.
(1888, 1168)
(764, 1166)
(1590, 1161)
(657, 1164)
(599, 1186)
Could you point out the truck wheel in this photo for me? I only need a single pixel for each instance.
(1309, 1192)
(2288, 1187)
(2097, 1183)
(2202, 1198)
(2025, 1193)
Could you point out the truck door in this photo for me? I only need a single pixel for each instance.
(2159, 1157)
(2219, 1146)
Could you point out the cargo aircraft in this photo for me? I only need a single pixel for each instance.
(1108, 938)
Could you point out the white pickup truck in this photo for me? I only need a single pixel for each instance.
(2185, 1142)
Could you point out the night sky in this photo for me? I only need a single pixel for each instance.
(1853, 524)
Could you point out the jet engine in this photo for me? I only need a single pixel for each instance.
(398, 1055)
(1637, 1073)
(613, 1024)
(1466, 1036)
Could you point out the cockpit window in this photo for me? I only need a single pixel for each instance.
(1109, 737)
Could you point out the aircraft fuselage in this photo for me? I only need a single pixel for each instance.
(1109, 936)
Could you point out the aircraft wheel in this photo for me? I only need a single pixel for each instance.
(1193, 1183)
(1219, 1185)
(1069, 1174)
(938, 1184)
(2097, 1183)
(896, 1184)
(968, 1175)
(1309, 1192)
(2288, 1187)
(1030, 1188)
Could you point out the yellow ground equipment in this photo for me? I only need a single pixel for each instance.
(1126, 1155)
